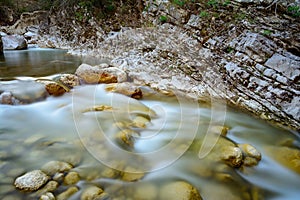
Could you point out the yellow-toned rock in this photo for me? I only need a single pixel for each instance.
(71, 178)
(289, 157)
(179, 190)
(91, 193)
(67, 193)
(126, 88)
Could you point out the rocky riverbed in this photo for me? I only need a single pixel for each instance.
(250, 60)
(164, 162)
(73, 136)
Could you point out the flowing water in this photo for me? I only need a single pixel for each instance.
(132, 149)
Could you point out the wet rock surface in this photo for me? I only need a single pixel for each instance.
(14, 42)
(125, 88)
(21, 92)
(250, 60)
(100, 74)
(179, 190)
(31, 181)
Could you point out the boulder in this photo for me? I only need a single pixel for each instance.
(14, 42)
(16, 92)
(31, 181)
(69, 80)
(126, 88)
(97, 74)
(54, 88)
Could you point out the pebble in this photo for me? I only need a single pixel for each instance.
(67, 194)
(91, 193)
(71, 178)
(47, 196)
(51, 186)
(233, 156)
(54, 167)
(31, 181)
(179, 190)
(250, 151)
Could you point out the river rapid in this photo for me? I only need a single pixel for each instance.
(133, 149)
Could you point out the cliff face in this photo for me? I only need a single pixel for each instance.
(246, 54)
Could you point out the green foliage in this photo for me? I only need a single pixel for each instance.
(267, 32)
(179, 2)
(240, 16)
(229, 49)
(213, 3)
(163, 18)
(226, 2)
(294, 11)
(203, 14)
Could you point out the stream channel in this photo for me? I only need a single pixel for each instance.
(168, 139)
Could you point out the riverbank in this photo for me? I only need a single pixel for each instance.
(245, 54)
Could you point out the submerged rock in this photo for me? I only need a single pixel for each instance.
(289, 157)
(251, 155)
(31, 181)
(8, 98)
(21, 92)
(54, 167)
(179, 190)
(67, 194)
(71, 178)
(145, 192)
(51, 186)
(91, 193)
(14, 42)
(47, 196)
(97, 74)
(233, 156)
(126, 88)
(54, 88)
(132, 174)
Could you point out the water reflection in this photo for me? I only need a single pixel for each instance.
(37, 62)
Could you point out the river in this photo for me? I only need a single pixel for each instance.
(133, 148)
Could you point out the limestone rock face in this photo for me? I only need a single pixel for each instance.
(28, 19)
(14, 42)
(31, 181)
